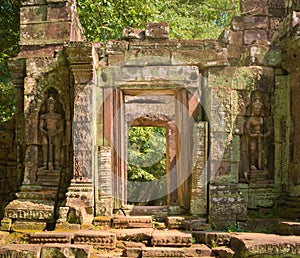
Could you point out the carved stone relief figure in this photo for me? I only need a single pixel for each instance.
(257, 132)
(51, 127)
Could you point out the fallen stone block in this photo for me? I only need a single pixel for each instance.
(132, 249)
(258, 244)
(163, 252)
(6, 224)
(65, 250)
(3, 237)
(98, 239)
(102, 221)
(175, 222)
(132, 222)
(50, 237)
(212, 238)
(288, 228)
(171, 238)
(223, 252)
(195, 224)
(197, 251)
(134, 234)
(20, 250)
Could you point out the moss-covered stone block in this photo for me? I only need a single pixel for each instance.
(242, 78)
(65, 250)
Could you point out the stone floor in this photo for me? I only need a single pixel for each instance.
(133, 237)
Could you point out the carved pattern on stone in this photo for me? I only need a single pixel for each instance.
(83, 132)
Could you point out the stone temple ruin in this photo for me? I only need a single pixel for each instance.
(229, 106)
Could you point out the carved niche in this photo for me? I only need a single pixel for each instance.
(51, 132)
(255, 140)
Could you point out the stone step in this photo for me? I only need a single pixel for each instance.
(135, 234)
(150, 211)
(259, 225)
(171, 238)
(45, 195)
(159, 211)
(47, 250)
(50, 238)
(190, 224)
(288, 228)
(163, 252)
(223, 252)
(96, 238)
(293, 202)
(65, 250)
(211, 238)
(132, 222)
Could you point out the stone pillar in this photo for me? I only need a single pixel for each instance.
(171, 164)
(80, 195)
(104, 198)
(183, 154)
(18, 69)
(198, 199)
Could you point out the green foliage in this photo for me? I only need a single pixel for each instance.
(188, 19)
(105, 19)
(146, 153)
(9, 37)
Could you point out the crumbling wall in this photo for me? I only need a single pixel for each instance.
(9, 178)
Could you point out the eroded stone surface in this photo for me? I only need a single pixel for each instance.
(64, 250)
(99, 239)
(49, 237)
(288, 228)
(162, 252)
(20, 250)
(132, 222)
(175, 222)
(171, 238)
(197, 251)
(251, 244)
(223, 252)
(138, 234)
(212, 238)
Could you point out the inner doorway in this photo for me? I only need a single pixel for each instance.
(147, 166)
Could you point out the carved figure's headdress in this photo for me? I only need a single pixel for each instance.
(51, 100)
(257, 104)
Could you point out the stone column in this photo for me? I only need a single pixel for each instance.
(105, 200)
(80, 195)
(171, 164)
(18, 70)
(198, 199)
(183, 154)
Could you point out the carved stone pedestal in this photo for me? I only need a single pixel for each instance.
(29, 214)
(80, 200)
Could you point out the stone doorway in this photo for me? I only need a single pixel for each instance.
(172, 108)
